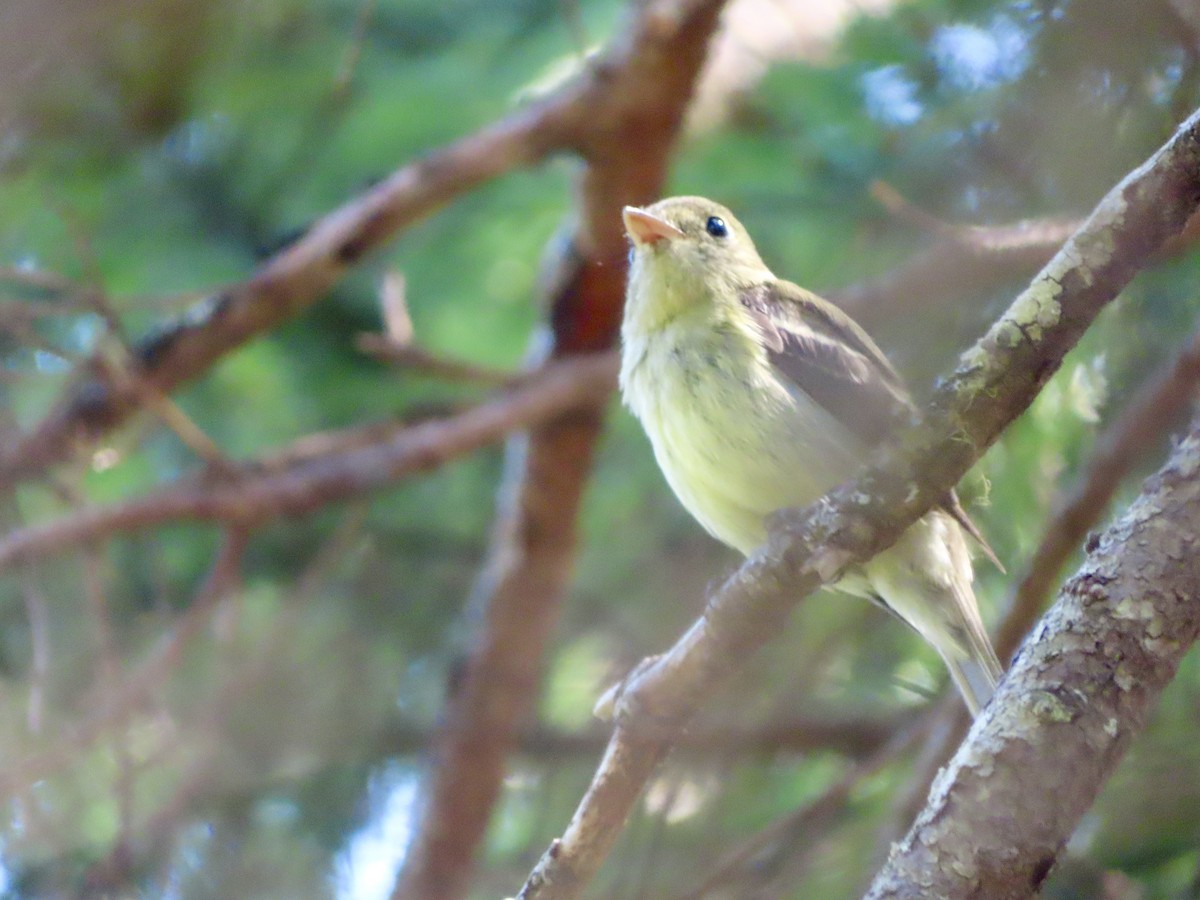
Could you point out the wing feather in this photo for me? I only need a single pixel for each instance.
(821, 351)
(824, 353)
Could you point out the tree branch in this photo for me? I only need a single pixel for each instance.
(292, 280)
(952, 267)
(967, 259)
(649, 74)
(300, 486)
(579, 116)
(1159, 404)
(995, 381)
(1003, 809)
(853, 737)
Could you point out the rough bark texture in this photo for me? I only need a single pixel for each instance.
(995, 381)
(1160, 405)
(1083, 686)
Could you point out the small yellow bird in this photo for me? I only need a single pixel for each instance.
(758, 395)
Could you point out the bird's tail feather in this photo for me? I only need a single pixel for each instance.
(975, 680)
(972, 663)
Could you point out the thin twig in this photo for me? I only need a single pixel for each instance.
(42, 280)
(137, 683)
(125, 369)
(168, 412)
(906, 211)
(418, 359)
(344, 78)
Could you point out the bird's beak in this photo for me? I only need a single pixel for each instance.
(647, 228)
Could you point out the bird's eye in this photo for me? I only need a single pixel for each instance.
(716, 226)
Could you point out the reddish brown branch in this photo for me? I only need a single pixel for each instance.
(648, 77)
(314, 481)
(411, 356)
(298, 276)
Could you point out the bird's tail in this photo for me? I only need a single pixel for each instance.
(975, 676)
(926, 580)
(970, 657)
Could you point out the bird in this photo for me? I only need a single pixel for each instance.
(758, 395)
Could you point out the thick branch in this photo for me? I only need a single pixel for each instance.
(1160, 403)
(995, 381)
(649, 75)
(1003, 809)
(316, 480)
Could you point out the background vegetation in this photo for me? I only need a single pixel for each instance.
(151, 150)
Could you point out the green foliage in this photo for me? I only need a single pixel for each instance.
(167, 151)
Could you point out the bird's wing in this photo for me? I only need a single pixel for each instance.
(820, 350)
(824, 353)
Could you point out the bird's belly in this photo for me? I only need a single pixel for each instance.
(736, 450)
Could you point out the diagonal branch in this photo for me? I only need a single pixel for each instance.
(1002, 810)
(584, 115)
(995, 381)
(300, 487)
(968, 259)
(288, 283)
(1158, 405)
(953, 267)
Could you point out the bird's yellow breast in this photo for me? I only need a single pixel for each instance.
(734, 441)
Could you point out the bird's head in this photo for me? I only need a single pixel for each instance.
(687, 252)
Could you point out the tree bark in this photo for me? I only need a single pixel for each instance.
(1000, 813)
(996, 380)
